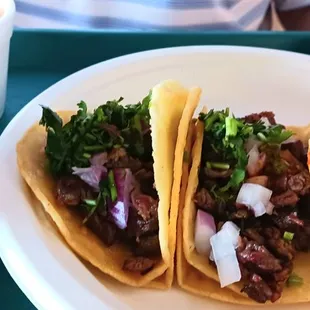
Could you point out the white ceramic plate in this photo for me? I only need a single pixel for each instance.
(245, 79)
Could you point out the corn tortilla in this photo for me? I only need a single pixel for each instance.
(195, 274)
(168, 101)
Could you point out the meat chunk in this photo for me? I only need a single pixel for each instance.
(278, 184)
(255, 117)
(242, 213)
(69, 190)
(300, 183)
(301, 239)
(260, 180)
(138, 264)
(258, 289)
(254, 170)
(282, 249)
(105, 230)
(304, 207)
(143, 215)
(145, 179)
(257, 257)
(288, 222)
(148, 246)
(288, 198)
(296, 148)
(118, 158)
(294, 165)
(204, 200)
(145, 205)
(254, 235)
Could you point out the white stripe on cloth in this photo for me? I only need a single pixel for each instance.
(138, 13)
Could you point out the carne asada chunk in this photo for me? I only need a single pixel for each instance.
(300, 183)
(288, 222)
(204, 200)
(255, 117)
(296, 148)
(258, 289)
(253, 234)
(257, 257)
(278, 184)
(147, 246)
(138, 264)
(288, 198)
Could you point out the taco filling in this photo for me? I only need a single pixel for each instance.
(252, 202)
(103, 167)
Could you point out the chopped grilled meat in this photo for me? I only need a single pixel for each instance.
(255, 170)
(144, 204)
(300, 183)
(204, 200)
(118, 158)
(105, 230)
(254, 235)
(301, 239)
(288, 198)
(143, 215)
(271, 233)
(148, 246)
(294, 165)
(258, 289)
(217, 174)
(296, 148)
(255, 117)
(138, 264)
(260, 180)
(145, 178)
(69, 190)
(240, 214)
(257, 257)
(281, 248)
(288, 222)
(278, 184)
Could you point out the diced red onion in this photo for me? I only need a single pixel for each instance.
(99, 159)
(204, 230)
(254, 196)
(119, 210)
(91, 175)
(225, 258)
(269, 208)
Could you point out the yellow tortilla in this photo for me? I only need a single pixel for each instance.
(195, 274)
(167, 104)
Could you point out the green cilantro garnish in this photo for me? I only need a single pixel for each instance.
(111, 124)
(224, 146)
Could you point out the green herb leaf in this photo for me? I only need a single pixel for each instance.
(215, 165)
(112, 186)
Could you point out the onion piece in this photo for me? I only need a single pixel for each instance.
(269, 208)
(91, 175)
(251, 142)
(259, 209)
(253, 157)
(119, 210)
(266, 122)
(254, 196)
(204, 230)
(233, 231)
(99, 159)
(225, 258)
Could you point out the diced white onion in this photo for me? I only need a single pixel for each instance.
(251, 142)
(233, 231)
(253, 157)
(225, 258)
(204, 230)
(266, 122)
(259, 209)
(254, 196)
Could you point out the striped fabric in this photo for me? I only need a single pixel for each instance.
(153, 15)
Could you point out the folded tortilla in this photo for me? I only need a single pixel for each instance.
(171, 105)
(194, 272)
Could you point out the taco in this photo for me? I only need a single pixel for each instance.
(106, 178)
(244, 228)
